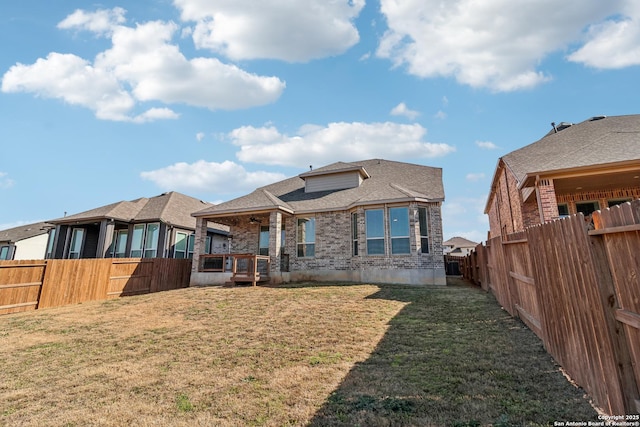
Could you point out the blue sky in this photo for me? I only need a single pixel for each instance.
(111, 101)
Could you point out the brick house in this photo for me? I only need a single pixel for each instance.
(575, 168)
(369, 221)
(154, 227)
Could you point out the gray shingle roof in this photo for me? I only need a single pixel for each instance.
(592, 142)
(171, 208)
(388, 181)
(12, 235)
(460, 242)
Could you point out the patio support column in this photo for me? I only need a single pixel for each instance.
(275, 240)
(547, 204)
(199, 243)
(105, 238)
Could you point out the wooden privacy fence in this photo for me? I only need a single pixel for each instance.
(579, 291)
(29, 285)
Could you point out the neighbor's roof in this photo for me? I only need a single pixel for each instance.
(460, 242)
(172, 208)
(597, 141)
(22, 232)
(387, 181)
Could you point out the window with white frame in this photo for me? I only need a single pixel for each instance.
(52, 237)
(374, 221)
(306, 237)
(423, 221)
(144, 240)
(77, 240)
(180, 246)
(120, 244)
(399, 230)
(151, 240)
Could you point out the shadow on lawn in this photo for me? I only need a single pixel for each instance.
(453, 357)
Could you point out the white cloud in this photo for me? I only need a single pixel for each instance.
(475, 177)
(486, 145)
(226, 177)
(496, 44)
(141, 66)
(102, 21)
(440, 115)
(614, 43)
(289, 30)
(337, 141)
(200, 136)
(402, 110)
(5, 181)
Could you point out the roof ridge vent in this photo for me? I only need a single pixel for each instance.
(594, 118)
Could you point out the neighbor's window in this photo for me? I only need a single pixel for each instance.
(615, 202)
(191, 246)
(354, 232)
(4, 252)
(587, 208)
(399, 230)
(120, 247)
(151, 240)
(77, 238)
(180, 246)
(306, 237)
(263, 243)
(207, 245)
(423, 219)
(52, 238)
(563, 210)
(374, 219)
(137, 240)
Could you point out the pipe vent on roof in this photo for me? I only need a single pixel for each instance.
(563, 125)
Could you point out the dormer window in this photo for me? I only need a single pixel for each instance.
(334, 179)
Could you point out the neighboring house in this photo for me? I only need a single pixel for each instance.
(369, 221)
(575, 168)
(458, 246)
(156, 227)
(24, 242)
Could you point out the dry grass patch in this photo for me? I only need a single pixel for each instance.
(291, 356)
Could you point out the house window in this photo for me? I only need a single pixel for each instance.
(120, 247)
(563, 210)
(137, 241)
(52, 238)
(354, 232)
(4, 252)
(151, 240)
(306, 237)
(180, 246)
(399, 230)
(615, 202)
(423, 220)
(587, 208)
(144, 240)
(77, 238)
(263, 243)
(191, 245)
(374, 219)
(207, 245)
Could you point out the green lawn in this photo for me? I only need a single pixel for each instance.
(300, 355)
